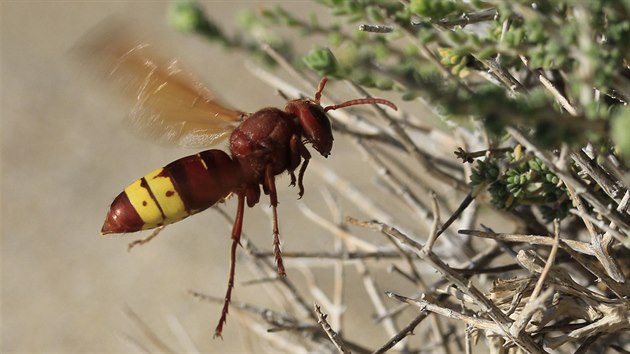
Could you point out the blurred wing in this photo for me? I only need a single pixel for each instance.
(168, 105)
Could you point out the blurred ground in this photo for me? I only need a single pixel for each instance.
(65, 156)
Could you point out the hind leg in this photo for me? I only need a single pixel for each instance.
(237, 228)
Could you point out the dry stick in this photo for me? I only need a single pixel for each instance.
(337, 255)
(578, 246)
(534, 304)
(502, 74)
(470, 156)
(433, 233)
(402, 334)
(339, 276)
(562, 280)
(575, 249)
(321, 319)
(413, 279)
(437, 326)
(550, 260)
(438, 332)
(562, 100)
(577, 202)
(462, 206)
(474, 321)
(338, 271)
(619, 289)
(524, 341)
(620, 349)
(375, 28)
(520, 292)
(482, 258)
(612, 187)
(599, 249)
(490, 270)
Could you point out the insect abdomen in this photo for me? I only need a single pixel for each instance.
(184, 187)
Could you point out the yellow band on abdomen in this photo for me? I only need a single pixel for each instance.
(140, 198)
(166, 195)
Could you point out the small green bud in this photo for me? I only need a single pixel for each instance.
(322, 61)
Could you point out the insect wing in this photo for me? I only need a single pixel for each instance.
(168, 105)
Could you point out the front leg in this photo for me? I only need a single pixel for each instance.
(307, 156)
(298, 152)
(294, 157)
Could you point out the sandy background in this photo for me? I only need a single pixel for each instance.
(65, 156)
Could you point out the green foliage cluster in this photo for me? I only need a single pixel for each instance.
(522, 182)
(479, 60)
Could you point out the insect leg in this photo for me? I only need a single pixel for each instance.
(146, 239)
(236, 238)
(293, 179)
(294, 157)
(273, 196)
(307, 156)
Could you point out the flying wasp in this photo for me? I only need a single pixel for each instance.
(171, 107)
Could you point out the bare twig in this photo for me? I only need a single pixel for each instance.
(321, 319)
(407, 330)
(578, 246)
(375, 28)
(550, 260)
